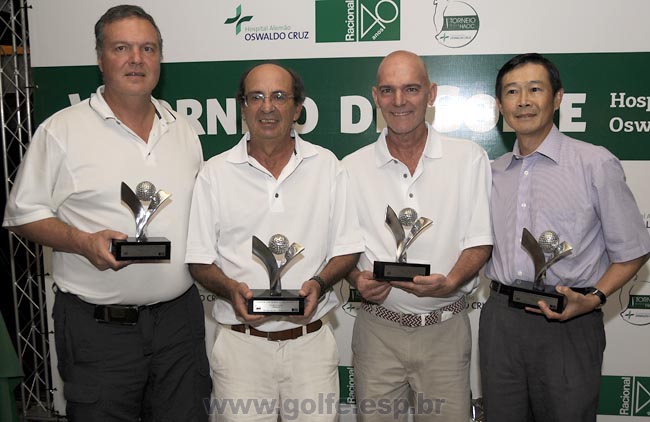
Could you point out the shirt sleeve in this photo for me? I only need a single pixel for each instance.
(626, 237)
(42, 183)
(203, 227)
(479, 227)
(345, 232)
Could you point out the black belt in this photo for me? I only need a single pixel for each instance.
(126, 314)
(507, 290)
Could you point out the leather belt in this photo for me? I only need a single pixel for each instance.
(290, 334)
(125, 314)
(504, 289)
(414, 320)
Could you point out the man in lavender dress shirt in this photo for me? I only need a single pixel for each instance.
(537, 364)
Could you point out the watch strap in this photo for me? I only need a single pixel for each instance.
(322, 284)
(603, 298)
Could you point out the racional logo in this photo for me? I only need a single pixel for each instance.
(634, 299)
(357, 20)
(624, 396)
(238, 19)
(456, 23)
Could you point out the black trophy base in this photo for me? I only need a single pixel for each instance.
(523, 295)
(288, 303)
(398, 271)
(152, 249)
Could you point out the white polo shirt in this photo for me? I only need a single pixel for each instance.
(236, 198)
(451, 186)
(73, 171)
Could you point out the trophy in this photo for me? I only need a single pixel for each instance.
(274, 300)
(143, 203)
(528, 293)
(400, 270)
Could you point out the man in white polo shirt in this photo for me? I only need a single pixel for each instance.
(273, 182)
(129, 336)
(412, 338)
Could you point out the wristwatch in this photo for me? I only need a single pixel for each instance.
(594, 291)
(322, 284)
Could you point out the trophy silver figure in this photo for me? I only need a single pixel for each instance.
(528, 293)
(400, 270)
(274, 300)
(143, 203)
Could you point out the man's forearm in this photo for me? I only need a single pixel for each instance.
(54, 233)
(469, 263)
(213, 278)
(620, 273)
(338, 268)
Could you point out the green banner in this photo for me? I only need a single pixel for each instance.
(607, 99)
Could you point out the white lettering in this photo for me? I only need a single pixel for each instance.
(215, 114)
(348, 105)
(481, 113)
(311, 120)
(568, 113)
(192, 109)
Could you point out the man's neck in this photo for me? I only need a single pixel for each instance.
(408, 148)
(272, 155)
(136, 113)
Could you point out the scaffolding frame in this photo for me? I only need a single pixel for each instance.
(35, 398)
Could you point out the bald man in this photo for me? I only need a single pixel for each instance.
(273, 182)
(411, 339)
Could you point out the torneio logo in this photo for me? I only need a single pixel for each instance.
(357, 20)
(456, 23)
(634, 299)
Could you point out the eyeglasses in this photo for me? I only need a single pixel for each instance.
(257, 98)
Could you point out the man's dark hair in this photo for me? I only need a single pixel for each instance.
(297, 86)
(120, 12)
(553, 72)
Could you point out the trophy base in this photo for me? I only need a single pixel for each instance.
(398, 271)
(153, 249)
(288, 303)
(523, 295)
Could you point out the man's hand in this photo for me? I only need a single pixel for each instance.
(239, 295)
(576, 304)
(310, 290)
(434, 285)
(371, 289)
(96, 247)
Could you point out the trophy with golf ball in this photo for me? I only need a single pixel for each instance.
(276, 257)
(143, 203)
(400, 269)
(545, 252)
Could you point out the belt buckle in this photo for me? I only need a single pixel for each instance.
(116, 314)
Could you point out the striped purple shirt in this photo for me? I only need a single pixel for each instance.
(575, 189)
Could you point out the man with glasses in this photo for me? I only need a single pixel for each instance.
(273, 182)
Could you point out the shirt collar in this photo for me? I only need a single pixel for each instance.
(551, 147)
(100, 106)
(432, 149)
(302, 149)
